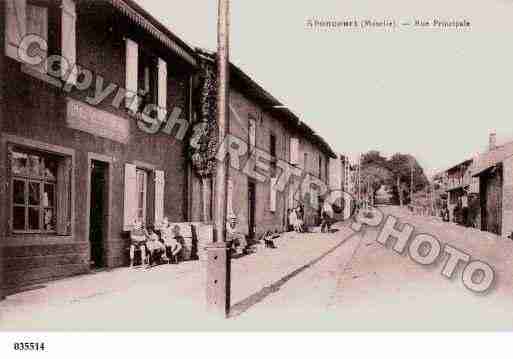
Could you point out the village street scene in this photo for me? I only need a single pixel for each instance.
(150, 180)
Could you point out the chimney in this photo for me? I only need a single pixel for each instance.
(492, 142)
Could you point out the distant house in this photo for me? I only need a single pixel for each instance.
(456, 186)
(495, 173)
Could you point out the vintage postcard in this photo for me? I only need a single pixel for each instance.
(228, 166)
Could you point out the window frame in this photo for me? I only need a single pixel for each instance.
(8, 140)
(54, 25)
(148, 60)
(42, 182)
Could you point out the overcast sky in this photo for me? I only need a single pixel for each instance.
(434, 94)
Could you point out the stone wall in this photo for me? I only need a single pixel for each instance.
(507, 197)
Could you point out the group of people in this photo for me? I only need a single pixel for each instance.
(165, 248)
(296, 218)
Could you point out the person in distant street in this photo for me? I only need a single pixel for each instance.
(326, 217)
(293, 219)
(300, 219)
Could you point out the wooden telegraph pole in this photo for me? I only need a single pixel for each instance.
(218, 259)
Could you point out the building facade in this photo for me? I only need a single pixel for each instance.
(495, 174)
(79, 163)
(458, 189)
(266, 130)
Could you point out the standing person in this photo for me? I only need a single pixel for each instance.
(301, 217)
(465, 210)
(300, 220)
(290, 226)
(293, 219)
(327, 215)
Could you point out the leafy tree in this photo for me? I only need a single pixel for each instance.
(401, 167)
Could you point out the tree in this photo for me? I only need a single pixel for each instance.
(401, 167)
(373, 178)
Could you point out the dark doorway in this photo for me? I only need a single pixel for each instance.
(97, 216)
(251, 208)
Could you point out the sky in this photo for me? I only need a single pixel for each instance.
(436, 94)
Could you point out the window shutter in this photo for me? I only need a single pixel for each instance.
(162, 91)
(273, 192)
(130, 201)
(63, 197)
(159, 197)
(252, 133)
(15, 26)
(294, 150)
(37, 23)
(68, 38)
(132, 64)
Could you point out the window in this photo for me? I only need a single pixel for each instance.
(142, 189)
(147, 80)
(44, 20)
(272, 145)
(305, 162)
(40, 191)
(272, 150)
(37, 23)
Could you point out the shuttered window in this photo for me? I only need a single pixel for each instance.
(37, 23)
(55, 23)
(15, 26)
(146, 75)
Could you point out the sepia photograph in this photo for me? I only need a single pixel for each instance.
(236, 167)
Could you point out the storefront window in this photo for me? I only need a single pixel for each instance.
(34, 190)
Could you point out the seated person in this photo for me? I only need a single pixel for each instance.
(137, 241)
(155, 248)
(269, 239)
(237, 239)
(172, 239)
(173, 242)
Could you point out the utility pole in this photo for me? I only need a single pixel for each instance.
(411, 185)
(359, 179)
(218, 259)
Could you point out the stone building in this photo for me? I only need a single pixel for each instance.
(79, 162)
(495, 173)
(269, 137)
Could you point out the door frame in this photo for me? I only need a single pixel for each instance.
(108, 201)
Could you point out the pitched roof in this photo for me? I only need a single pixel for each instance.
(145, 20)
(492, 158)
(260, 94)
